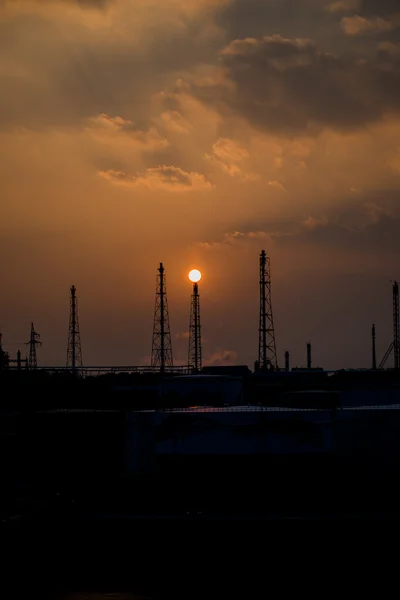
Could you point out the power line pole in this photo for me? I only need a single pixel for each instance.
(161, 351)
(33, 342)
(267, 358)
(74, 349)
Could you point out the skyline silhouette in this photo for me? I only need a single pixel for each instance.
(198, 133)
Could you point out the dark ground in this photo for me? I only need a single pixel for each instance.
(72, 527)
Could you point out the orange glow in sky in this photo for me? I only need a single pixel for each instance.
(199, 132)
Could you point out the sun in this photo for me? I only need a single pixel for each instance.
(194, 275)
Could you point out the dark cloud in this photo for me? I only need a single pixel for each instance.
(368, 225)
(289, 18)
(60, 74)
(378, 8)
(380, 237)
(289, 85)
(99, 4)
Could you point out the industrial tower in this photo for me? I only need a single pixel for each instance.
(194, 358)
(74, 350)
(267, 359)
(373, 347)
(309, 356)
(33, 342)
(396, 326)
(4, 358)
(161, 352)
(395, 344)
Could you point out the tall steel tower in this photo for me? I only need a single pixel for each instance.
(287, 361)
(74, 350)
(267, 358)
(309, 356)
(373, 347)
(33, 342)
(195, 358)
(396, 326)
(395, 344)
(161, 352)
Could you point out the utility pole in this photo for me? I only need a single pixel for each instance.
(161, 352)
(74, 349)
(33, 342)
(266, 334)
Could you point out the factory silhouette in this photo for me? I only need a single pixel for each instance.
(102, 459)
(161, 351)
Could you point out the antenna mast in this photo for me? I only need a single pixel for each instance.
(373, 347)
(74, 350)
(33, 342)
(195, 358)
(267, 358)
(161, 352)
(395, 344)
(396, 326)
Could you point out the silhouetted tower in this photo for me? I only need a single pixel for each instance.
(74, 350)
(266, 333)
(195, 358)
(395, 344)
(4, 358)
(309, 358)
(373, 348)
(161, 352)
(287, 361)
(33, 342)
(396, 326)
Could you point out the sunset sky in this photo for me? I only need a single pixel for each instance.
(197, 133)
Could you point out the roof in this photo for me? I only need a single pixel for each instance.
(205, 377)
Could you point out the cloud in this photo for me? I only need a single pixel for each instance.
(290, 86)
(167, 178)
(388, 50)
(233, 238)
(221, 358)
(366, 223)
(342, 6)
(105, 61)
(313, 222)
(94, 4)
(228, 154)
(371, 8)
(228, 150)
(278, 185)
(175, 122)
(182, 335)
(289, 18)
(357, 25)
(108, 129)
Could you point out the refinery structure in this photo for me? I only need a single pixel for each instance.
(168, 437)
(162, 352)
